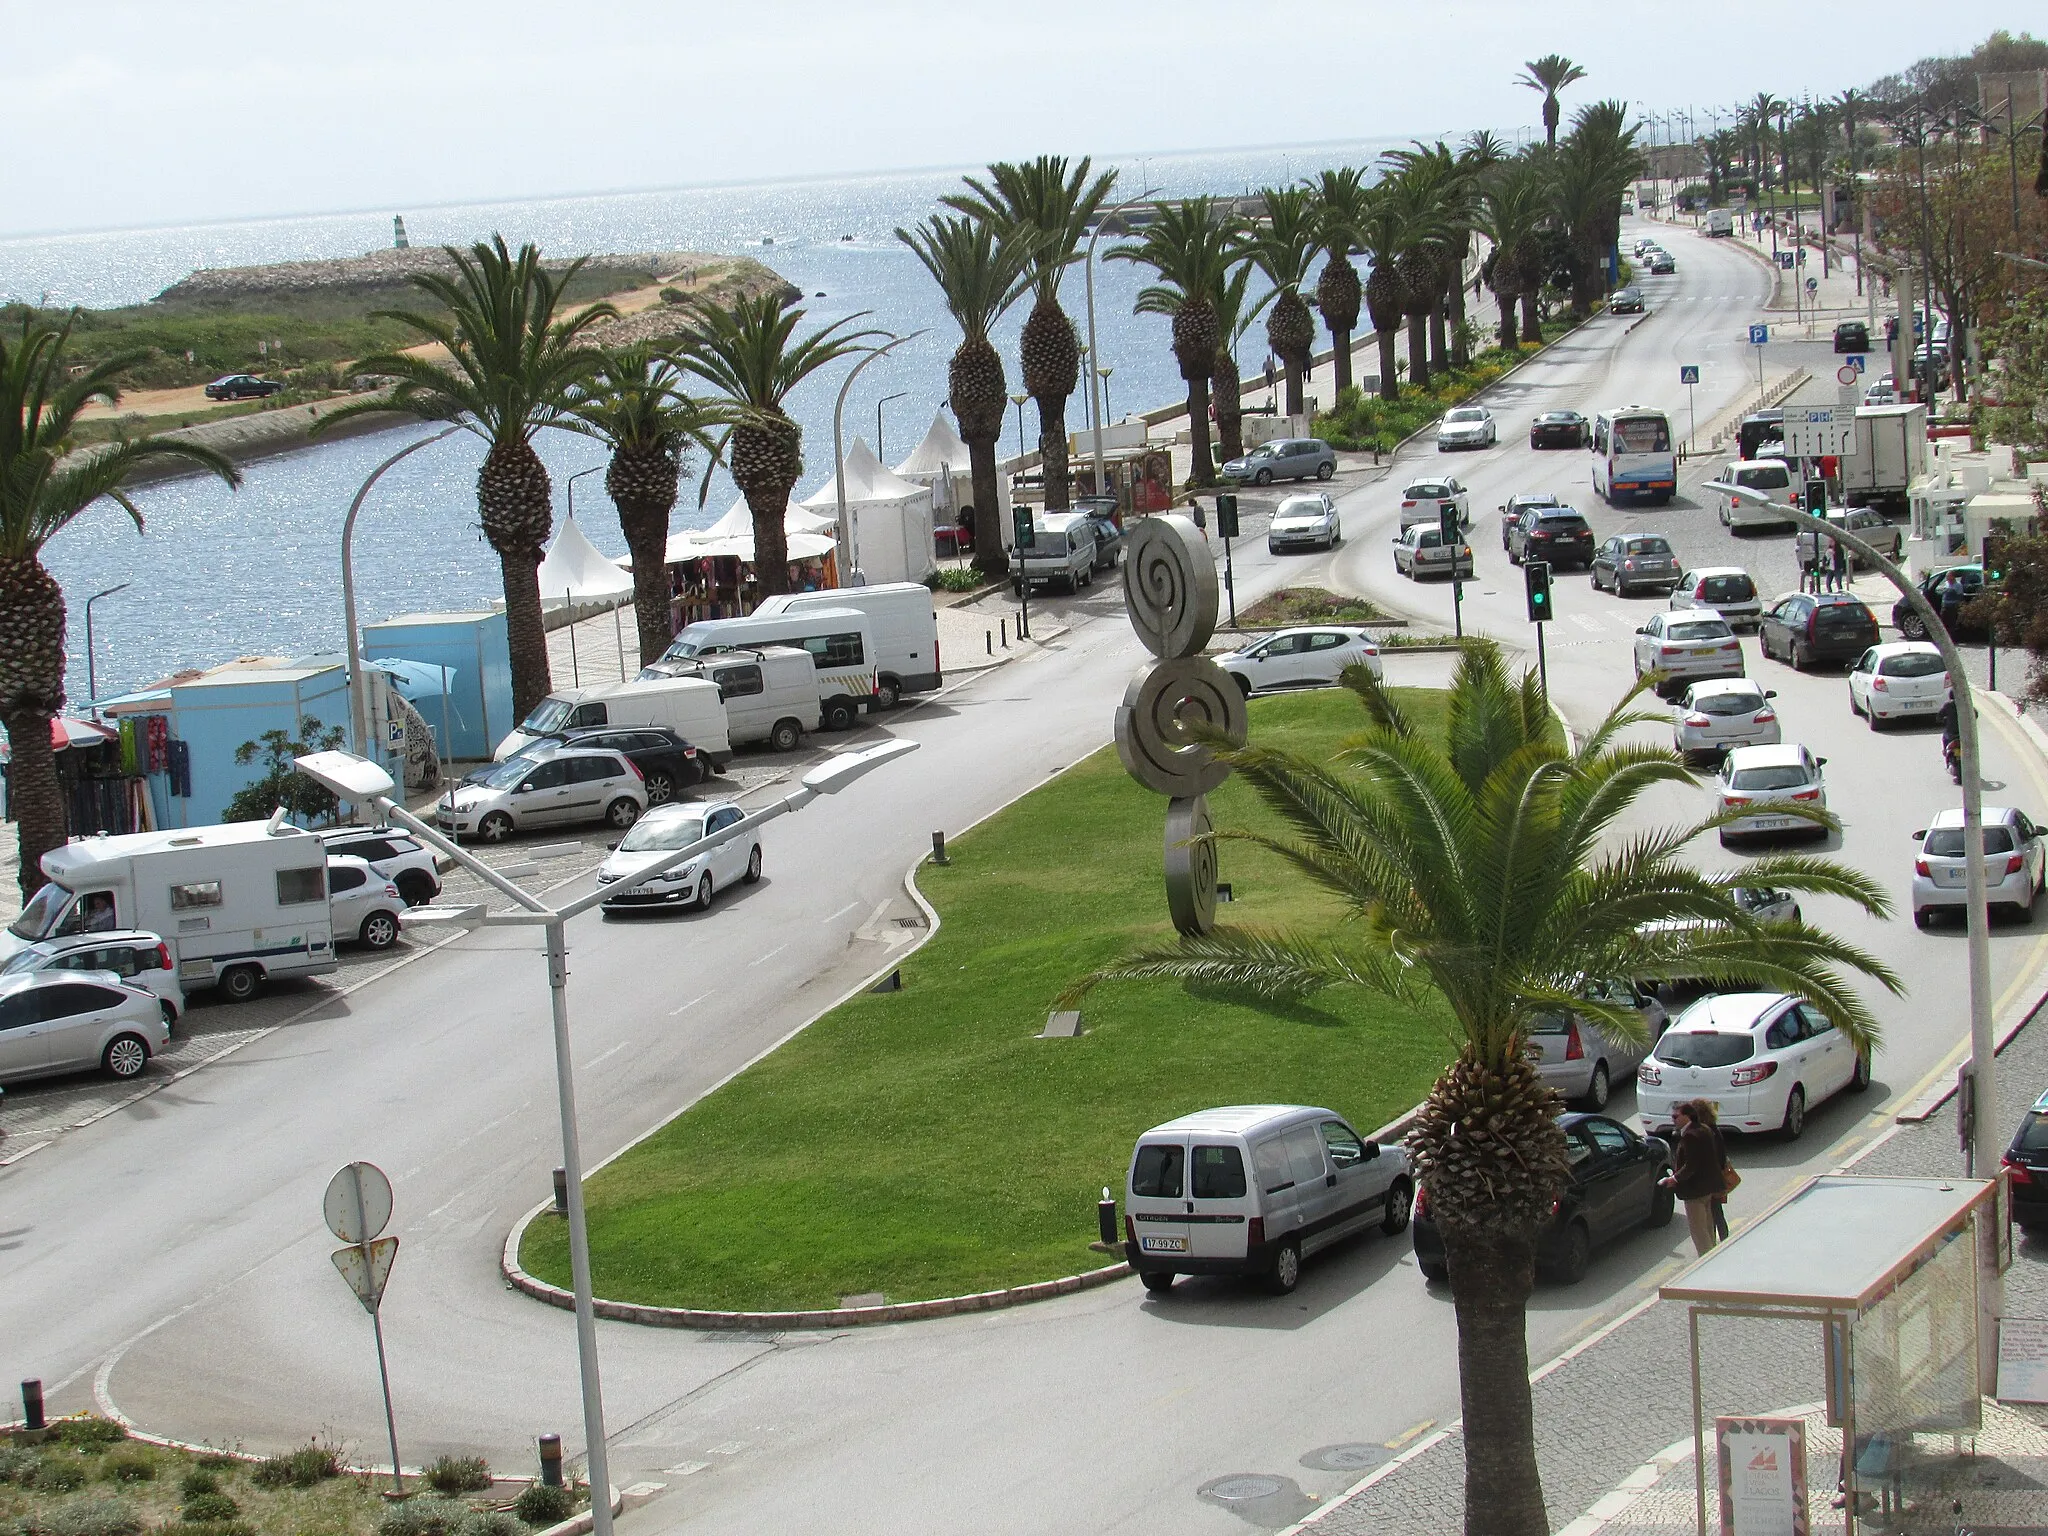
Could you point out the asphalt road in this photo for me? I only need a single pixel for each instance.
(170, 1259)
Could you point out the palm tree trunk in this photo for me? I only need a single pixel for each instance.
(1507, 319)
(1439, 350)
(1052, 452)
(526, 632)
(990, 558)
(33, 797)
(1493, 1270)
(1227, 390)
(1390, 380)
(771, 543)
(1341, 342)
(1204, 472)
(1532, 326)
(646, 530)
(1418, 350)
(1454, 295)
(515, 505)
(1293, 387)
(767, 460)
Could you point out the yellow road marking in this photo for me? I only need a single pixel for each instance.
(1410, 1433)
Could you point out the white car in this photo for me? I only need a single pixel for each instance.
(1421, 502)
(1309, 521)
(72, 1021)
(364, 904)
(551, 788)
(1901, 680)
(1718, 716)
(1579, 1059)
(1687, 645)
(693, 883)
(1420, 551)
(1771, 476)
(1759, 781)
(140, 958)
(1727, 589)
(1301, 658)
(393, 853)
(1760, 1058)
(1469, 426)
(2013, 860)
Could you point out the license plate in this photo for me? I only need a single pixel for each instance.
(1772, 823)
(1163, 1244)
(1916, 703)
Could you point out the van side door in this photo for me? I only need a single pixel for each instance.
(1358, 1179)
(1314, 1195)
(1279, 1201)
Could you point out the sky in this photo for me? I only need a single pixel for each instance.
(170, 111)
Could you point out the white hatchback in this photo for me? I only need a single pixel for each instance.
(1422, 501)
(1302, 658)
(364, 904)
(2013, 864)
(1760, 781)
(693, 883)
(1691, 643)
(1718, 716)
(1760, 1058)
(1304, 521)
(1901, 680)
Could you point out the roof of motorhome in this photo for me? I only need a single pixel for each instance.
(1238, 1118)
(87, 851)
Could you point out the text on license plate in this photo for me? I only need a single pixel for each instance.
(1164, 1244)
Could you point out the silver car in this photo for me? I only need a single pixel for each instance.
(1868, 524)
(1686, 645)
(1727, 589)
(72, 1021)
(1420, 551)
(563, 787)
(1469, 426)
(363, 904)
(1579, 1059)
(140, 958)
(1716, 717)
(694, 882)
(1304, 521)
(1285, 458)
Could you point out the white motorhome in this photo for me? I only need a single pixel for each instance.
(840, 640)
(237, 903)
(770, 692)
(903, 621)
(689, 706)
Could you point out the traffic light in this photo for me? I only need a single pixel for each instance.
(1447, 524)
(1995, 546)
(1026, 537)
(1536, 580)
(1817, 497)
(1226, 515)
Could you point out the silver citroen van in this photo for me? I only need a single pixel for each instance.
(1253, 1189)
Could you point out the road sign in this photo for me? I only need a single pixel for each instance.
(1759, 334)
(1856, 360)
(1785, 260)
(1812, 286)
(1845, 374)
(1814, 431)
(1027, 537)
(358, 1203)
(367, 1267)
(1688, 373)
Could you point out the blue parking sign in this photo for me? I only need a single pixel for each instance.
(1759, 334)
(1688, 373)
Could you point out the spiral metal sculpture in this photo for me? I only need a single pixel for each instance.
(1151, 725)
(1190, 865)
(1170, 586)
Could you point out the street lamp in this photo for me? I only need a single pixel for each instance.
(363, 782)
(1101, 479)
(878, 421)
(1105, 372)
(1018, 400)
(92, 686)
(849, 575)
(594, 469)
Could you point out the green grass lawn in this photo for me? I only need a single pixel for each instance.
(923, 1143)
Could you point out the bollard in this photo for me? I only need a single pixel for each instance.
(1004, 625)
(939, 849)
(32, 1404)
(1105, 1217)
(988, 640)
(561, 1191)
(551, 1461)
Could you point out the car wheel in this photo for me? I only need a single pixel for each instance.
(1325, 469)
(754, 866)
(839, 715)
(1285, 1274)
(784, 737)
(1663, 1206)
(1263, 477)
(1400, 1200)
(1860, 1080)
(2024, 910)
(494, 828)
(239, 983)
(416, 887)
(1577, 1256)
(622, 813)
(170, 1013)
(1854, 707)
(1158, 1282)
(1432, 1271)
(1244, 684)
(661, 788)
(125, 1056)
(379, 931)
(1799, 656)
(1795, 1115)
(1600, 1089)
(1272, 548)
(1912, 626)
(706, 892)
(1923, 917)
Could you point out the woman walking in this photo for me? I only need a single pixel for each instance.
(1696, 1171)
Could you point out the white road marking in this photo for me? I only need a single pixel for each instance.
(850, 906)
(607, 1056)
(778, 949)
(693, 1002)
(1585, 623)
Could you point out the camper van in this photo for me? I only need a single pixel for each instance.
(902, 620)
(770, 692)
(688, 706)
(237, 904)
(840, 641)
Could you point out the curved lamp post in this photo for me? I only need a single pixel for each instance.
(850, 576)
(1094, 383)
(92, 681)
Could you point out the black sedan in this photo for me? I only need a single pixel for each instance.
(1558, 429)
(1627, 301)
(1612, 1191)
(242, 386)
(1662, 265)
(2026, 1168)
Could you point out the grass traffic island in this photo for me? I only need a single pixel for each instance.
(1289, 606)
(924, 1143)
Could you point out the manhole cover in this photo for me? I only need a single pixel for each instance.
(1242, 1487)
(1347, 1458)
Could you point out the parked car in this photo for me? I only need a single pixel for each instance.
(1762, 1057)
(1285, 458)
(2026, 1168)
(71, 1021)
(564, 787)
(1884, 392)
(1759, 782)
(1420, 551)
(1662, 264)
(1062, 554)
(1627, 300)
(1615, 1186)
(135, 955)
(1727, 589)
(365, 905)
(1852, 336)
(1558, 429)
(1580, 1058)
(1685, 647)
(695, 882)
(1309, 521)
(1714, 717)
(667, 763)
(1254, 1189)
(1556, 534)
(1634, 561)
(242, 386)
(1904, 679)
(396, 855)
(1968, 582)
(2013, 861)
(1110, 536)
(1805, 627)
(1468, 426)
(1301, 658)
(1868, 524)
(1422, 500)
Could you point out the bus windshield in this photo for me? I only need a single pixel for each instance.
(1641, 434)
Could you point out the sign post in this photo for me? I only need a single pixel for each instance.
(1758, 335)
(1027, 540)
(1536, 580)
(1689, 375)
(358, 1207)
(1226, 524)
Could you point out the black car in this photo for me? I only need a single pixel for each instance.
(1512, 509)
(1757, 429)
(1558, 429)
(1556, 534)
(1613, 1190)
(1806, 627)
(2026, 1168)
(1662, 264)
(1626, 301)
(666, 761)
(1852, 336)
(1967, 581)
(1103, 513)
(242, 386)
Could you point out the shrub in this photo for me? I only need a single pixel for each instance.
(422, 1517)
(87, 1433)
(488, 1522)
(17, 1464)
(57, 1474)
(957, 579)
(199, 1480)
(673, 295)
(298, 1469)
(93, 1517)
(129, 1467)
(215, 1462)
(205, 1508)
(540, 1504)
(459, 1474)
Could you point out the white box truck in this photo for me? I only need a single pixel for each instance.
(1891, 453)
(840, 640)
(689, 706)
(237, 903)
(903, 621)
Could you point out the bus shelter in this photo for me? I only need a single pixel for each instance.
(1891, 1272)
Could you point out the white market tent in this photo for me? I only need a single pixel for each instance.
(732, 536)
(889, 518)
(940, 461)
(574, 571)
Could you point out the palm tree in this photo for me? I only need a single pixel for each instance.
(45, 482)
(1380, 230)
(1852, 109)
(746, 351)
(1192, 246)
(1485, 876)
(1234, 316)
(1339, 205)
(1549, 75)
(1282, 244)
(1514, 201)
(1594, 166)
(512, 363)
(1756, 123)
(1451, 179)
(1415, 194)
(1048, 209)
(980, 276)
(635, 403)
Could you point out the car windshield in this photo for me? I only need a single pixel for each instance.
(550, 714)
(27, 960)
(2033, 1136)
(1843, 616)
(662, 834)
(506, 774)
(1912, 664)
(40, 913)
(1264, 451)
(1699, 629)
(1754, 898)
(1727, 705)
(1704, 1048)
(1728, 589)
(1561, 416)
(1648, 547)
(1769, 776)
(1947, 842)
(1571, 522)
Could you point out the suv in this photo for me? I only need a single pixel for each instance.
(1852, 336)
(1285, 458)
(552, 788)
(398, 856)
(1556, 534)
(1805, 627)
(242, 386)
(139, 957)
(666, 762)
(2026, 1168)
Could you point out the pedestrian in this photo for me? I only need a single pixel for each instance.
(1951, 605)
(1703, 1111)
(1696, 1172)
(1841, 570)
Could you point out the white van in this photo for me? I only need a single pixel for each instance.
(688, 706)
(840, 641)
(1062, 553)
(1253, 1189)
(237, 904)
(1771, 476)
(903, 621)
(1720, 223)
(770, 693)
